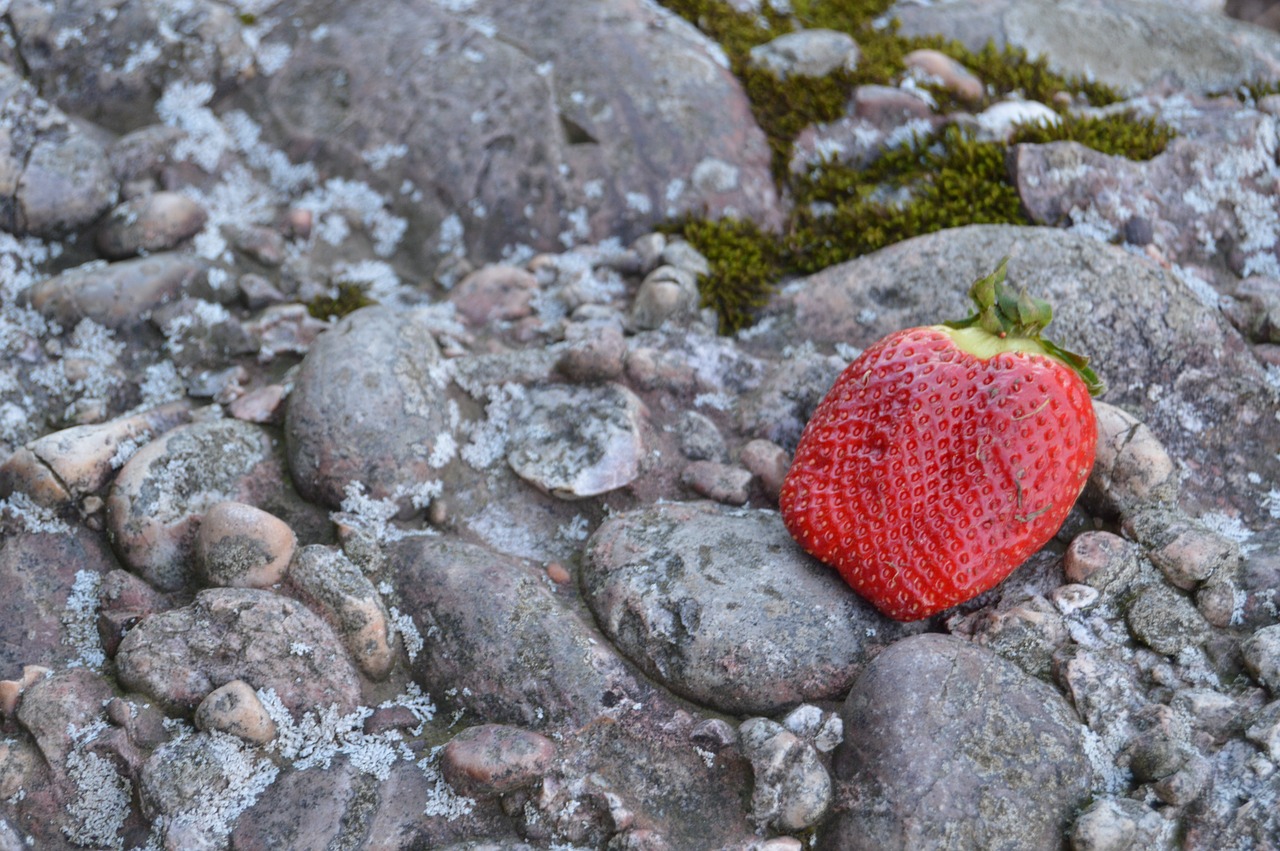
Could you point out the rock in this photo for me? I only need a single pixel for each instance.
(240, 546)
(937, 729)
(493, 759)
(1262, 657)
(768, 462)
(1118, 824)
(792, 787)
(339, 588)
(49, 582)
(55, 708)
(11, 690)
(1100, 559)
(148, 223)
(495, 293)
(123, 600)
(999, 121)
(262, 405)
(1137, 44)
(1259, 578)
(700, 438)
(608, 150)
(235, 708)
(596, 352)
(959, 79)
(577, 442)
(823, 730)
(666, 293)
(269, 641)
(161, 494)
(806, 53)
(724, 608)
(1195, 555)
(124, 294)
(1166, 621)
(54, 176)
(368, 406)
(527, 657)
(719, 482)
(75, 462)
(1118, 308)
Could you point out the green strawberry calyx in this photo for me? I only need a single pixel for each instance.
(1009, 322)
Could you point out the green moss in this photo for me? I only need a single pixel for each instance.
(1255, 90)
(935, 182)
(744, 267)
(1135, 137)
(349, 298)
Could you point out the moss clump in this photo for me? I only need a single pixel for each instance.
(1135, 137)
(744, 267)
(348, 299)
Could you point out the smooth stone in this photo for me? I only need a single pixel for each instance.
(162, 492)
(959, 79)
(235, 708)
(271, 642)
(792, 787)
(806, 53)
(240, 546)
(723, 607)
(494, 759)
(155, 222)
(1131, 467)
(666, 293)
(577, 442)
(937, 729)
(999, 121)
(339, 588)
(1262, 657)
(368, 406)
(123, 294)
(768, 462)
(495, 293)
(718, 482)
(53, 707)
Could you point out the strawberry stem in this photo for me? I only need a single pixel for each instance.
(1020, 316)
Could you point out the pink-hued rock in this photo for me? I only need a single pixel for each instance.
(235, 708)
(265, 639)
(241, 546)
(493, 759)
(153, 222)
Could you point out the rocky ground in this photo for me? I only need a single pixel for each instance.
(494, 561)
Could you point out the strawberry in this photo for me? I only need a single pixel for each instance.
(945, 456)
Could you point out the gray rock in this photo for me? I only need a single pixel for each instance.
(946, 743)
(526, 657)
(55, 707)
(162, 492)
(54, 176)
(368, 406)
(1260, 579)
(1118, 824)
(596, 351)
(666, 293)
(724, 608)
(807, 53)
(700, 438)
(493, 759)
(1142, 326)
(338, 587)
(148, 223)
(49, 583)
(269, 641)
(792, 787)
(577, 442)
(824, 730)
(1133, 44)
(1216, 819)
(1131, 469)
(534, 104)
(123, 294)
(1262, 657)
(719, 482)
(1165, 620)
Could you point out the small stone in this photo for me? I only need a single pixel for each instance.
(241, 546)
(337, 585)
(11, 690)
(1115, 824)
(648, 249)
(823, 730)
(556, 573)
(574, 442)
(792, 787)
(1262, 657)
(1073, 598)
(263, 405)
(807, 53)
(1219, 600)
(999, 121)
(1165, 620)
(1131, 467)
(149, 223)
(495, 294)
(257, 292)
(1184, 785)
(1138, 230)
(683, 255)
(494, 759)
(700, 438)
(263, 244)
(595, 352)
(959, 79)
(1195, 555)
(768, 462)
(1154, 755)
(713, 734)
(1264, 730)
(667, 292)
(123, 294)
(235, 708)
(1098, 559)
(720, 482)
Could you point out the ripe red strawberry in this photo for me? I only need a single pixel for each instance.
(945, 456)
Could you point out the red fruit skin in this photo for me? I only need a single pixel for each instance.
(927, 474)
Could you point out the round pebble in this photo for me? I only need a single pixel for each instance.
(235, 708)
(720, 482)
(240, 546)
(494, 759)
(1262, 657)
